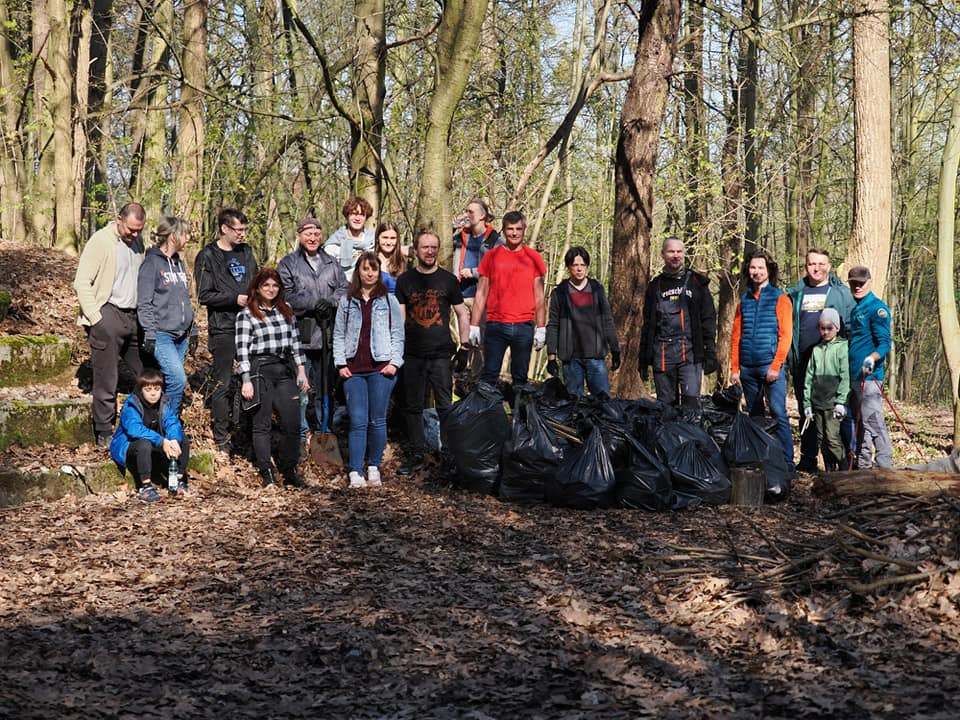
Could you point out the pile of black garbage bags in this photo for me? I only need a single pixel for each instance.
(599, 452)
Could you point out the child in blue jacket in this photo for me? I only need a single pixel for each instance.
(148, 436)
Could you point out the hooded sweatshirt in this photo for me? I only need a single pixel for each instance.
(346, 249)
(163, 296)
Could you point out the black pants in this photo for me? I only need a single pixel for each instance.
(223, 348)
(809, 447)
(278, 391)
(419, 376)
(115, 336)
(146, 461)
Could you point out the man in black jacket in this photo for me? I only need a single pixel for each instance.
(223, 272)
(678, 337)
(313, 283)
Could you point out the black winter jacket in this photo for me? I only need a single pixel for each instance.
(217, 289)
(703, 322)
(560, 324)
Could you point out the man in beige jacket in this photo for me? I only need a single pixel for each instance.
(106, 285)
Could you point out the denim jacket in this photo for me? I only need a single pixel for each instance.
(386, 335)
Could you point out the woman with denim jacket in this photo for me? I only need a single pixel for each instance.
(368, 351)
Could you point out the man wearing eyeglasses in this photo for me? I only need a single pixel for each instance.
(106, 286)
(223, 272)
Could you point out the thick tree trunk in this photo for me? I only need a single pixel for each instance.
(369, 90)
(749, 72)
(695, 215)
(189, 187)
(12, 171)
(457, 40)
(870, 238)
(43, 183)
(878, 481)
(82, 93)
(61, 113)
(946, 241)
(97, 102)
(636, 161)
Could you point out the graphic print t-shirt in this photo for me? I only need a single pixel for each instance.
(814, 300)
(427, 299)
(236, 267)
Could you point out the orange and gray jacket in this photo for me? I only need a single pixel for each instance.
(696, 315)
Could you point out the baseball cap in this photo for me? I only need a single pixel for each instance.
(858, 273)
(308, 222)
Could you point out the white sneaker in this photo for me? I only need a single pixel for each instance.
(373, 476)
(356, 480)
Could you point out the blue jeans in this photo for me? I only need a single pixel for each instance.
(368, 395)
(755, 387)
(591, 370)
(500, 336)
(322, 402)
(170, 354)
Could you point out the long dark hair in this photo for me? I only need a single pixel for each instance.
(355, 284)
(773, 270)
(395, 262)
(253, 295)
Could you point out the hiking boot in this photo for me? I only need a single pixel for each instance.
(268, 477)
(373, 476)
(807, 465)
(102, 440)
(410, 464)
(148, 494)
(356, 480)
(293, 479)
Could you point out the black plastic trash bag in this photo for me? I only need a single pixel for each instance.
(530, 458)
(473, 432)
(585, 479)
(749, 444)
(645, 484)
(694, 474)
(671, 435)
(555, 403)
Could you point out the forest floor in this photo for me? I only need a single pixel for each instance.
(420, 601)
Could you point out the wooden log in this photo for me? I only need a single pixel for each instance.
(880, 481)
(749, 485)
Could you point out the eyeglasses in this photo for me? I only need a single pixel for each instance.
(238, 229)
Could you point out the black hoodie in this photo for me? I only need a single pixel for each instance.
(218, 286)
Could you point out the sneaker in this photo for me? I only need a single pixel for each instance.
(183, 487)
(293, 479)
(356, 480)
(268, 477)
(148, 494)
(410, 464)
(373, 476)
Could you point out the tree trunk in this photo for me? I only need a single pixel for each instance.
(61, 113)
(946, 239)
(82, 92)
(43, 148)
(749, 75)
(12, 171)
(188, 187)
(97, 103)
(636, 159)
(695, 215)
(870, 238)
(369, 90)
(880, 481)
(457, 40)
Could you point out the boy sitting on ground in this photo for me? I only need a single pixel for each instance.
(826, 388)
(148, 436)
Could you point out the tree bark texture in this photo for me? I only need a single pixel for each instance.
(369, 91)
(870, 237)
(694, 119)
(636, 160)
(457, 41)
(946, 241)
(188, 181)
(879, 481)
(749, 72)
(61, 113)
(12, 170)
(43, 182)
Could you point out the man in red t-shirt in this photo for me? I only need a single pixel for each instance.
(511, 292)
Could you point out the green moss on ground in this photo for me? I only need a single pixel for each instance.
(29, 359)
(33, 423)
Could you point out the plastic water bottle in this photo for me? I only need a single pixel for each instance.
(173, 477)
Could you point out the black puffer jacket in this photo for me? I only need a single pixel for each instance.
(703, 321)
(217, 289)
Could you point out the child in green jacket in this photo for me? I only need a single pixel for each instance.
(826, 388)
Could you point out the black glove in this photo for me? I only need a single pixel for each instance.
(192, 344)
(324, 308)
(615, 361)
(460, 360)
(710, 365)
(644, 372)
(553, 368)
(149, 346)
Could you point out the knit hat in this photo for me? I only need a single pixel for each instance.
(308, 222)
(830, 315)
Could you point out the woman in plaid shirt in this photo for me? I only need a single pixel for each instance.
(268, 348)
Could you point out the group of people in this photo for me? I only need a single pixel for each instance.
(362, 310)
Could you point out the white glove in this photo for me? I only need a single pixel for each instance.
(539, 338)
(868, 365)
(839, 411)
(808, 412)
(474, 334)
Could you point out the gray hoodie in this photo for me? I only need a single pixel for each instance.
(163, 296)
(343, 247)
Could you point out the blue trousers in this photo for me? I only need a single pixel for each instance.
(593, 371)
(170, 354)
(500, 336)
(368, 395)
(757, 392)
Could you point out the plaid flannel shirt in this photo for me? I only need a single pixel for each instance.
(273, 335)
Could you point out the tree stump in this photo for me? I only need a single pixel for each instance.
(749, 486)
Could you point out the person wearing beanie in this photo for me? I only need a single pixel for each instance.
(826, 386)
